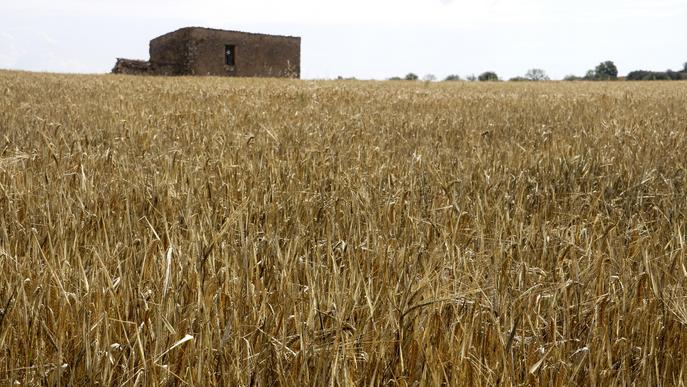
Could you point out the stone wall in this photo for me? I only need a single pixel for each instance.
(201, 51)
(169, 53)
(132, 66)
(256, 55)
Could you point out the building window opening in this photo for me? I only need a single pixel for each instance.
(230, 55)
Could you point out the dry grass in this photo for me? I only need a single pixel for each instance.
(258, 232)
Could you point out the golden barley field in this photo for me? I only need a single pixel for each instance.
(213, 231)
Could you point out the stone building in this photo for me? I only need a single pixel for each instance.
(206, 51)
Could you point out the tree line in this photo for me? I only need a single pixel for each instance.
(604, 71)
(668, 75)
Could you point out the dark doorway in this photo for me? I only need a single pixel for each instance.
(230, 54)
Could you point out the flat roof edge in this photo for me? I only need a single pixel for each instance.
(185, 29)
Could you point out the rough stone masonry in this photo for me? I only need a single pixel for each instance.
(206, 51)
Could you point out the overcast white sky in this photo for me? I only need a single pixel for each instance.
(362, 38)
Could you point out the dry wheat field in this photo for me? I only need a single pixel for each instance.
(209, 231)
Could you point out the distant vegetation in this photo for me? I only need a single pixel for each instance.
(608, 71)
(668, 75)
(488, 76)
(532, 75)
(537, 75)
(604, 71)
(411, 77)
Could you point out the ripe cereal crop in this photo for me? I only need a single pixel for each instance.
(214, 231)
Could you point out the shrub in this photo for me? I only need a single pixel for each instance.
(488, 76)
(411, 77)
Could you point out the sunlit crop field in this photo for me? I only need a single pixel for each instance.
(211, 231)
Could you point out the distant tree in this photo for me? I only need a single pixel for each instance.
(536, 75)
(662, 76)
(590, 75)
(518, 79)
(488, 76)
(572, 77)
(395, 79)
(672, 75)
(471, 78)
(452, 77)
(640, 75)
(606, 71)
(668, 75)
(411, 77)
(429, 78)
(643, 75)
(636, 75)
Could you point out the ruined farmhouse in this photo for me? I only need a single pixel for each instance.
(206, 51)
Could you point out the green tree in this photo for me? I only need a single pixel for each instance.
(452, 77)
(606, 71)
(411, 77)
(488, 76)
